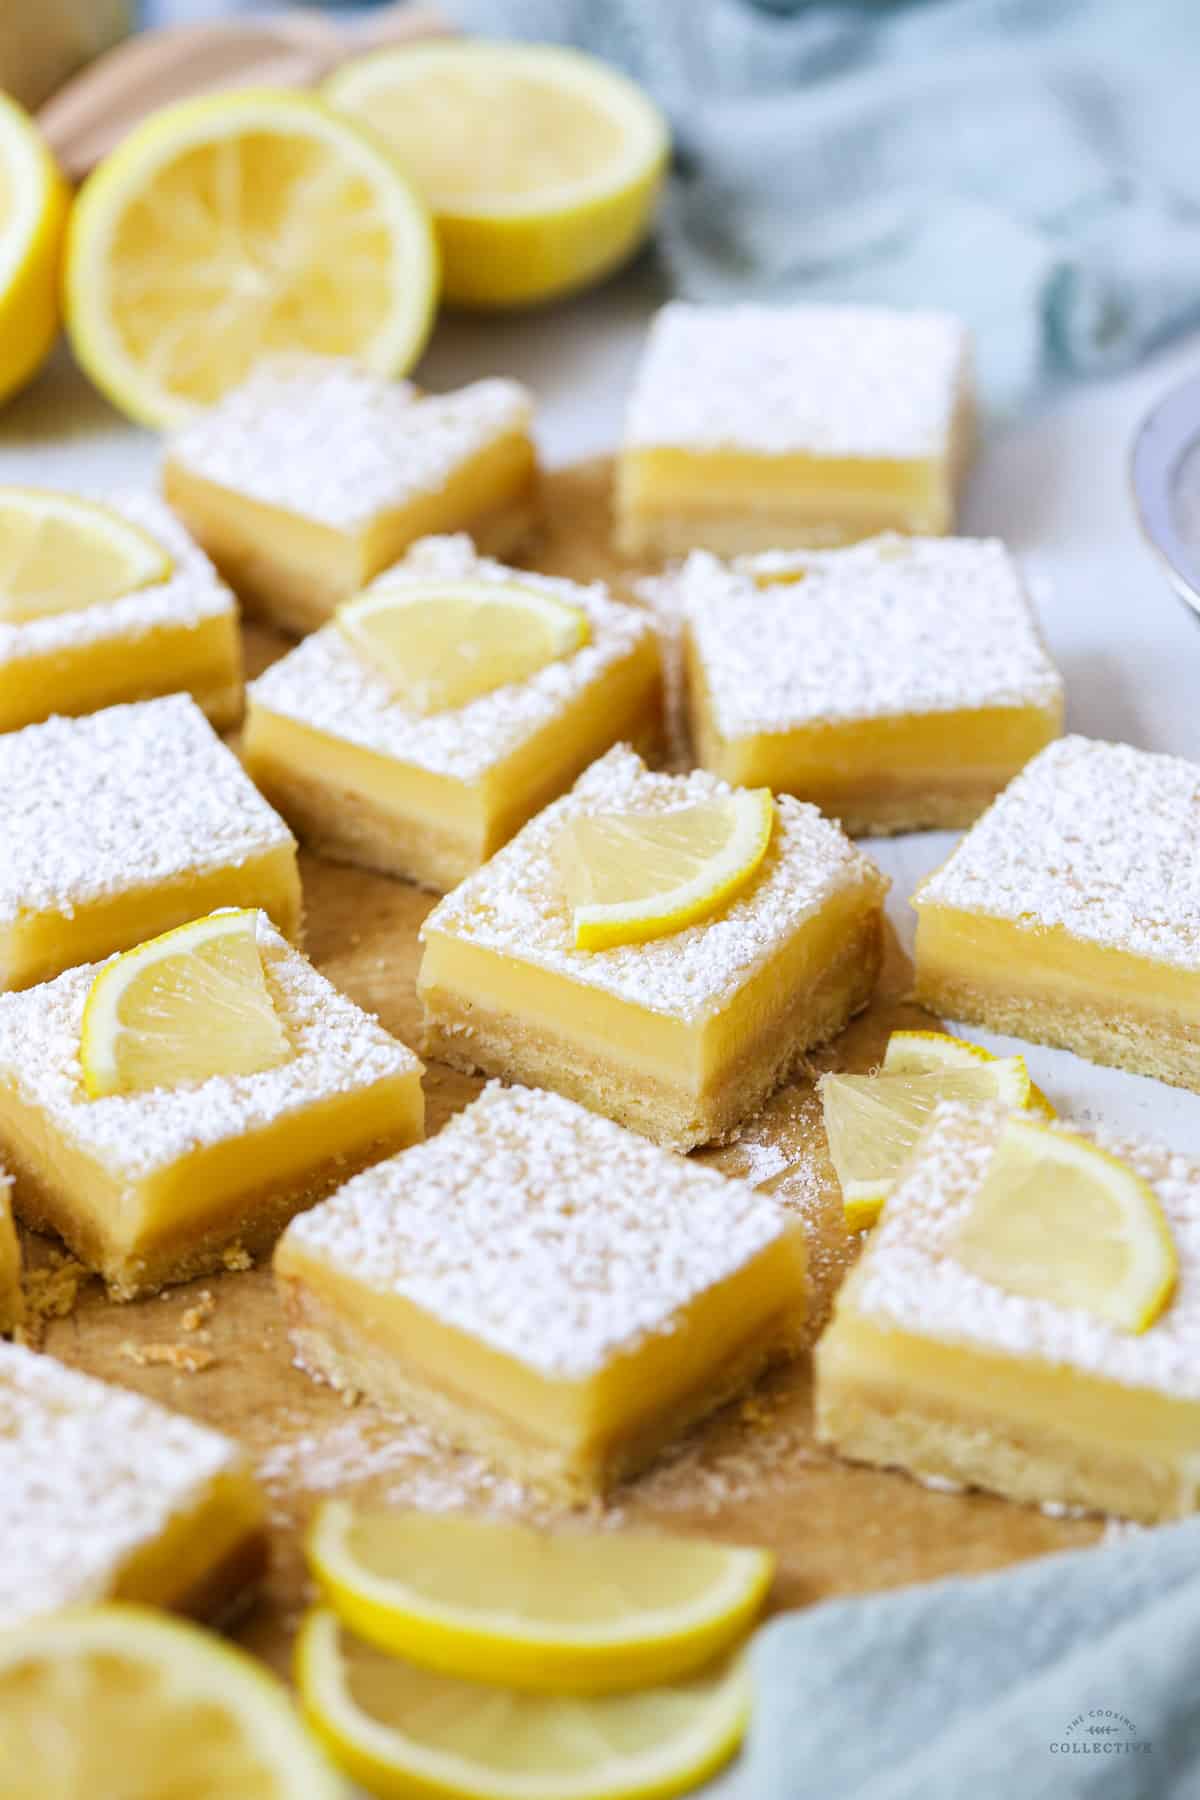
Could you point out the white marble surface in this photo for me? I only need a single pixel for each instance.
(1054, 485)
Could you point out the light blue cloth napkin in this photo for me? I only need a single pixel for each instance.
(1031, 164)
(1075, 1677)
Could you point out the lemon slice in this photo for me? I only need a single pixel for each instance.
(542, 165)
(230, 227)
(33, 215)
(873, 1121)
(443, 646)
(924, 1052)
(1059, 1219)
(180, 1008)
(109, 1700)
(579, 1612)
(634, 876)
(59, 553)
(401, 1730)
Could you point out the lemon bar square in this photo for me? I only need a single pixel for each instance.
(174, 636)
(931, 1368)
(123, 823)
(313, 476)
(12, 1299)
(158, 1186)
(364, 780)
(107, 1496)
(897, 684)
(681, 1037)
(547, 1288)
(759, 428)
(1070, 914)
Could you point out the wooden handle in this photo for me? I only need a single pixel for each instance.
(95, 110)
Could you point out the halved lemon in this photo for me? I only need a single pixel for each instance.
(542, 165)
(444, 645)
(59, 552)
(226, 228)
(33, 215)
(634, 876)
(550, 1612)
(1057, 1218)
(401, 1730)
(873, 1121)
(180, 1008)
(123, 1700)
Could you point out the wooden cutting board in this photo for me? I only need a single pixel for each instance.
(751, 1475)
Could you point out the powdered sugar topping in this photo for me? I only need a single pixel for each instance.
(337, 1049)
(89, 1474)
(1100, 840)
(847, 381)
(884, 628)
(908, 1277)
(516, 904)
(552, 1234)
(328, 686)
(323, 438)
(119, 800)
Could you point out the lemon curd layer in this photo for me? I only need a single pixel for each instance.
(548, 1288)
(897, 684)
(12, 1302)
(932, 1368)
(122, 824)
(174, 636)
(106, 1496)
(364, 780)
(755, 427)
(680, 1037)
(158, 1186)
(313, 476)
(1069, 913)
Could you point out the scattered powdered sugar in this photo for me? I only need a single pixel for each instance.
(406, 1464)
(834, 381)
(191, 594)
(89, 1474)
(119, 800)
(884, 628)
(327, 685)
(337, 1049)
(1097, 839)
(552, 1234)
(323, 438)
(909, 1278)
(516, 904)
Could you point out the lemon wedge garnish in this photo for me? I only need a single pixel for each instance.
(402, 1730)
(59, 553)
(575, 1612)
(444, 644)
(230, 227)
(180, 1008)
(873, 1121)
(542, 165)
(120, 1699)
(634, 876)
(33, 215)
(1059, 1219)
